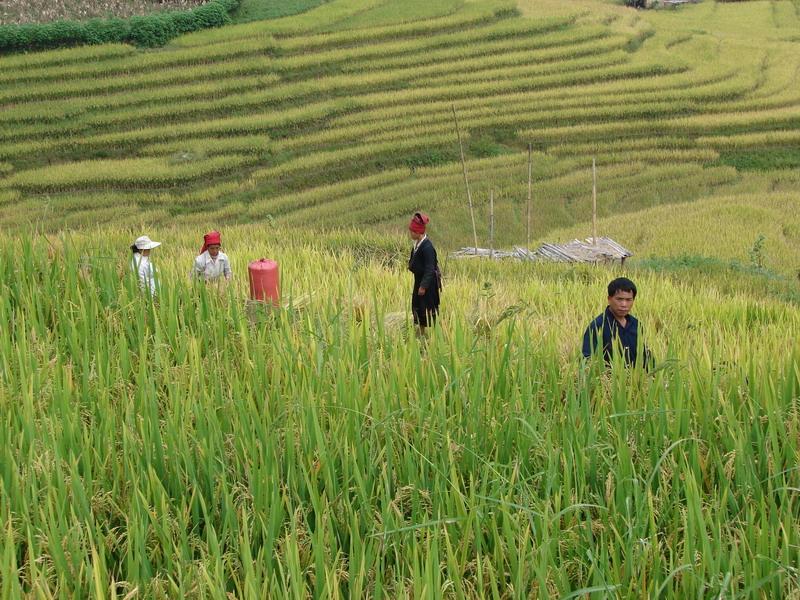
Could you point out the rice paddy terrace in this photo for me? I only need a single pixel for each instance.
(197, 447)
(344, 115)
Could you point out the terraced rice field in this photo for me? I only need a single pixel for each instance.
(197, 446)
(344, 115)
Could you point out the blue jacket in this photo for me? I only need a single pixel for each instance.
(607, 329)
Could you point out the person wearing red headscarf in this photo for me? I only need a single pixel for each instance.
(427, 278)
(212, 263)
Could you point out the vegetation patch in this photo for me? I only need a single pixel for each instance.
(761, 159)
(206, 447)
(151, 30)
(256, 10)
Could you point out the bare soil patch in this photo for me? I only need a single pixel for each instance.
(42, 11)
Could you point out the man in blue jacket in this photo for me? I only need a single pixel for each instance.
(616, 328)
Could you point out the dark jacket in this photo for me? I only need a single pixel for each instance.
(425, 267)
(602, 333)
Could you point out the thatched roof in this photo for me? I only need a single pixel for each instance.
(605, 250)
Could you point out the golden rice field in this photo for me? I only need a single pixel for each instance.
(344, 115)
(196, 445)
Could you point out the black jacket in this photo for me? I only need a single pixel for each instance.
(425, 267)
(602, 332)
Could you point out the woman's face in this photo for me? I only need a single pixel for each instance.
(145, 252)
(213, 250)
(413, 235)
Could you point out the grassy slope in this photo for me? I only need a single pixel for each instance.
(255, 10)
(356, 127)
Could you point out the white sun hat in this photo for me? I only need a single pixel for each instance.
(145, 243)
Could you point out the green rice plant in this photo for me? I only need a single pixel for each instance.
(750, 140)
(708, 222)
(134, 173)
(426, 50)
(256, 11)
(130, 65)
(253, 66)
(59, 110)
(501, 85)
(185, 111)
(325, 193)
(517, 116)
(64, 57)
(660, 155)
(387, 14)
(286, 120)
(468, 17)
(247, 144)
(297, 24)
(309, 164)
(239, 101)
(631, 144)
(698, 124)
(187, 446)
(529, 63)
(9, 197)
(621, 92)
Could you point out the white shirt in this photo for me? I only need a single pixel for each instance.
(209, 268)
(142, 266)
(419, 241)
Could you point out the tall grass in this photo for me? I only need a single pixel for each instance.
(191, 446)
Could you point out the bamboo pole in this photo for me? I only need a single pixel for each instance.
(594, 202)
(530, 182)
(466, 181)
(491, 223)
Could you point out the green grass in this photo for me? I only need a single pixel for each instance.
(389, 13)
(195, 446)
(256, 10)
(764, 159)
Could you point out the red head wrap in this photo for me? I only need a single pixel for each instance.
(418, 222)
(210, 238)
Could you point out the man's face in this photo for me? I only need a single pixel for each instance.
(213, 250)
(620, 303)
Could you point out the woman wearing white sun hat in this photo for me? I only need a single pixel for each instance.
(140, 262)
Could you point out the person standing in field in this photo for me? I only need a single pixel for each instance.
(212, 263)
(427, 278)
(616, 328)
(141, 263)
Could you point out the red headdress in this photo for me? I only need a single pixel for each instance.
(418, 222)
(212, 237)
